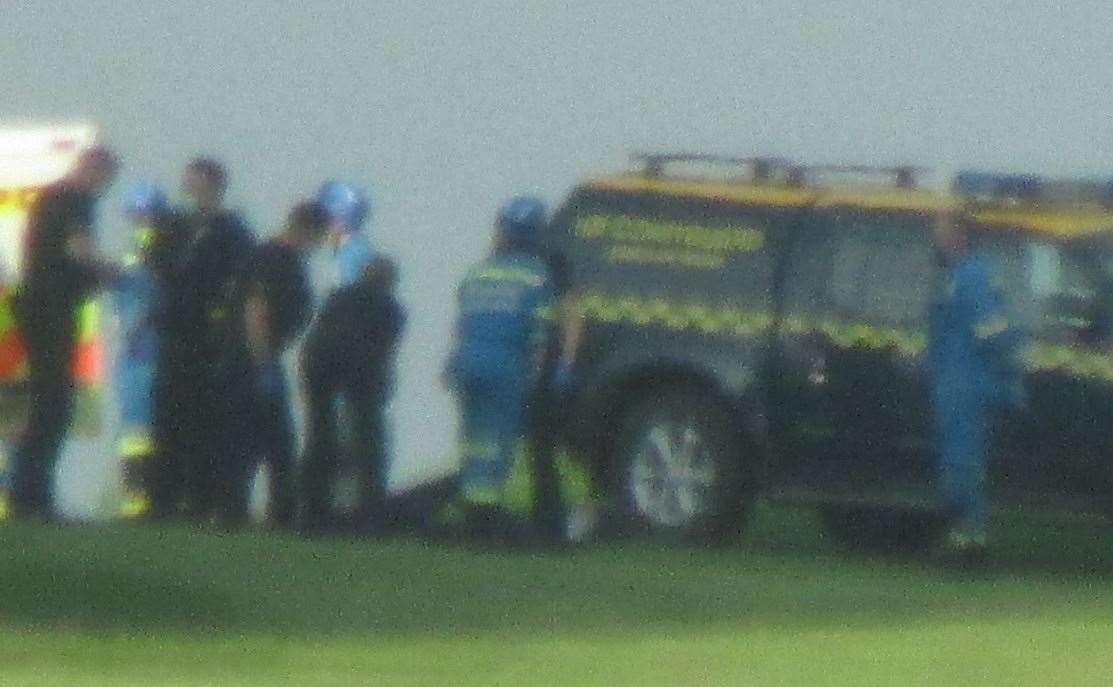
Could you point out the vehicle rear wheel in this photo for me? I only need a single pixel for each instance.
(681, 469)
(876, 528)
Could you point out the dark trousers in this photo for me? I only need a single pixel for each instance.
(50, 347)
(545, 417)
(185, 422)
(269, 440)
(323, 457)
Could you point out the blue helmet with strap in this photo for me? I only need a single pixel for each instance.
(345, 203)
(142, 199)
(522, 219)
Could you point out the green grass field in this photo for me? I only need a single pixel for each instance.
(128, 605)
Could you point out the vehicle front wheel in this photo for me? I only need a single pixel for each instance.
(682, 469)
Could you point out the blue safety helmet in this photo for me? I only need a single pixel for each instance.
(345, 203)
(143, 198)
(522, 218)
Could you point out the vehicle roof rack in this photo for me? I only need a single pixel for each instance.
(897, 176)
(996, 187)
(758, 168)
(1018, 189)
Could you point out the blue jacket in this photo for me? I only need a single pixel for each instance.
(137, 298)
(504, 322)
(351, 257)
(972, 348)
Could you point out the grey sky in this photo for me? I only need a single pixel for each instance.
(446, 108)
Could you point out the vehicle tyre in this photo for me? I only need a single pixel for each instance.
(881, 529)
(681, 468)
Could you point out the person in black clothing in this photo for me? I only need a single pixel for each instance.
(273, 305)
(204, 264)
(545, 410)
(349, 355)
(61, 271)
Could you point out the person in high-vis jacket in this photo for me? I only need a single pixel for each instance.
(972, 352)
(137, 297)
(504, 324)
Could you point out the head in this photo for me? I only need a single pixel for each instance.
(306, 225)
(951, 241)
(519, 225)
(143, 201)
(348, 207)
(95, 170)
(204, 183)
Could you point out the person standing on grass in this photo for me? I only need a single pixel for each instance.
(972, 349)
(61, 270)
(191, 438)
(504, 324)
(272, 307)
(349, 356)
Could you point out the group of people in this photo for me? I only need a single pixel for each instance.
(206, 314)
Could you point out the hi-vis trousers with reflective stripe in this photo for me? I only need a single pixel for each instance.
(135, 446)
(492, 425)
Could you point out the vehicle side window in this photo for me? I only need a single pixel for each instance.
(882, 274)
(807, 269)
(1050, 291)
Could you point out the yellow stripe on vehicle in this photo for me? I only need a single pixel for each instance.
(1041, 357)
(509, 274)
(733, 322)
(738, 193)
(1063, 223)
(481, 496)
(723, 320)
(885, 199)
(991, 327)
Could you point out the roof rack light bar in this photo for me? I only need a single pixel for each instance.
(901, 176)
(760, 168)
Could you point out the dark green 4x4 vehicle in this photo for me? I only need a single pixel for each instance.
(763, 335)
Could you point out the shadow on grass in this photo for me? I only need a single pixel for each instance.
(99, 597)
(786, 574)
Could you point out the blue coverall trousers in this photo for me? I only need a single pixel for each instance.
(962, 414)
(492, 412)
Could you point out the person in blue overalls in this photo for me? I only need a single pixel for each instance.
(504, 322)
(137, 299)
(972, 352)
